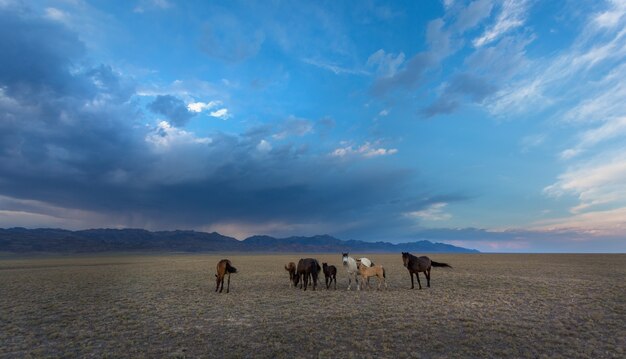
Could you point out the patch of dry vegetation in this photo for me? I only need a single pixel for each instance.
(164, 306)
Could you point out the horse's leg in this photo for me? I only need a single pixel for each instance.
(335, 279)
(221, 283)
(412, 283)
(427, 273)
(417, 275)
(217, 282)
(228, 285)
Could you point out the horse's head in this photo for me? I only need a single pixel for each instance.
(344, 258)
(405, 259)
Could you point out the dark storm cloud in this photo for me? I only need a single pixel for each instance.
(173, 108)
(72, 137)
(29, 65)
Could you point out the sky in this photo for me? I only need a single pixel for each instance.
(495, 125)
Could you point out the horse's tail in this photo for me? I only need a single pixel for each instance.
(287, 268)
(230, 269)
(437, 264)
(384, 272)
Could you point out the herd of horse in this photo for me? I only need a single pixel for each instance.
(307, 271)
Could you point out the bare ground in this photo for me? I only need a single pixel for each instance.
(488, 305)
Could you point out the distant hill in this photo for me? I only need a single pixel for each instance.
(46, 240)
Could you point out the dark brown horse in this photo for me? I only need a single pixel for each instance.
(307, 268)
(291, 268)
(224, 267)
(420, 264)
(330, 274)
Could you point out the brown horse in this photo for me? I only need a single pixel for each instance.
(291, 268)
(330, 274)
(307, 268)
(420, 264)
(373, 271)
(223, 267)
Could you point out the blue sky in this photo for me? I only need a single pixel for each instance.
(496, 125)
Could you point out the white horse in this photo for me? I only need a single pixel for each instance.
(366, 262)
(349, 264)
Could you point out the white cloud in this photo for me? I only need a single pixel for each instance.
(221, 113)
(611, 18)
(512, 15)
(198, 107)
(336, 69)
(202, 106)
(571, 76)
(165, 136)
(597, 223)
(435, 212)
(599, 181)
(613, 128)
(366, 150)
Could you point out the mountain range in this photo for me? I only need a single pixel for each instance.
(48, 240)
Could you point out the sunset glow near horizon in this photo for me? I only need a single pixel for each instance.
(494, 125)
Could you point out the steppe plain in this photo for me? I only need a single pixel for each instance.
(488, 305)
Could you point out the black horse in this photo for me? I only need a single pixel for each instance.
(420, 264)
(307, 268)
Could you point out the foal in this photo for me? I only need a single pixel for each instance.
(223, 267)
(373, 271)
(330, 274)
(291, 268)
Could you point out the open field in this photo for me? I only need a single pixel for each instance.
(489, 305)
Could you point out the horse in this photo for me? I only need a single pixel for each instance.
(350, 265)
(420, 264)
(307, 267)
(291, 268)
(366, 262)
(373, 271)
(223, 267)
(330, 274)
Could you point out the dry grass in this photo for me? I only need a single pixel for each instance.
(164, 306)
